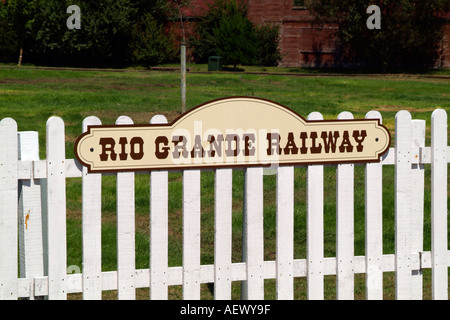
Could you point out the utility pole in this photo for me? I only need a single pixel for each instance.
(183, 62)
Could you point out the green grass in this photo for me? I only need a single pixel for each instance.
(31, 96)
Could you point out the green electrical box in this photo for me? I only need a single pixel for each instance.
(215, 63)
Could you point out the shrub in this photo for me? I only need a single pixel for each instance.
(268, 39)
(150, 45)
(226, 31)
(235, 40)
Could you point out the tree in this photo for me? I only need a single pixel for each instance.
(18, 19)
(235, 40)
(410, 34)
(150, 45)
(204, 42)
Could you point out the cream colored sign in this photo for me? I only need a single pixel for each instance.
(231, 132)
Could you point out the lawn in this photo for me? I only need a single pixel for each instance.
(31, 96)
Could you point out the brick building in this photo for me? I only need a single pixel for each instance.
(302, 44)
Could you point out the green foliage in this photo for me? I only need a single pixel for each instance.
(226, 31)
(411, 31)
(106, 36)
(150, 45)
(16, 20)
(268, 39)
(235, 40)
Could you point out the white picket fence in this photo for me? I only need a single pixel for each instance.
(33, 224)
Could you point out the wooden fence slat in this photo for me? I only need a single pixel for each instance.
(285, 233)
(345, 227)
(30, 213)
(8, 210)
(126, 264)
(91, 227)
(417, 205)
(159, 232)
(439, 199)
(223, 233)
(374, 225)
(253, 234)
(403, 141)
(55, 225)
(314, 232)
(191, 234)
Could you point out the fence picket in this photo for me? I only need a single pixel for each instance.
(191, 234)
(91, 228)
(126, 268)
(253, 234)
(417, 205)
(403, 142)
(285, 233)
(439, 199)
(374, 225)
(223, 233)
(56, 210)
(159, 234)
(314, 221)
(30, 214)
(344, 227)
(8, 213)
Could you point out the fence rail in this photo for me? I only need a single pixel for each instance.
(33, 223)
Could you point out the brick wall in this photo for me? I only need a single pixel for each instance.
(302, 44)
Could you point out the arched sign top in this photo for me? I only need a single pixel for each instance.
(232, 132)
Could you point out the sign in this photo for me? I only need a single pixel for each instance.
(232, 132)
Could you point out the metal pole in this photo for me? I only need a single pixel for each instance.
(183, 78)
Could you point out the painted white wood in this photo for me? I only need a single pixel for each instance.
(417, 205)
(159, 232)
(345, 227)
(191, 234)
(314, 232)
(30, 214)
(125, 230)
(374, 225)
(403, 180)
(8, 210)
(285, 233)
(91, 228)
(439, 201)
(253, 232)
(223, 185)
(56, 210)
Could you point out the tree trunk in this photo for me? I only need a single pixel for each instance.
(20, 57)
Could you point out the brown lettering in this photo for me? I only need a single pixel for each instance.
(329, 140)
(197, 150)
(303, 148)
(179, 147)
(274, 143)
(133, 154)
(345, 146)
(249, 140)
(107, 146)
(161, 152)
(359, 138)
(215, 145)
(290, 145)
(230, 138)
(314, 148)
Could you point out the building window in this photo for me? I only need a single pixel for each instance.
(299, 4)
